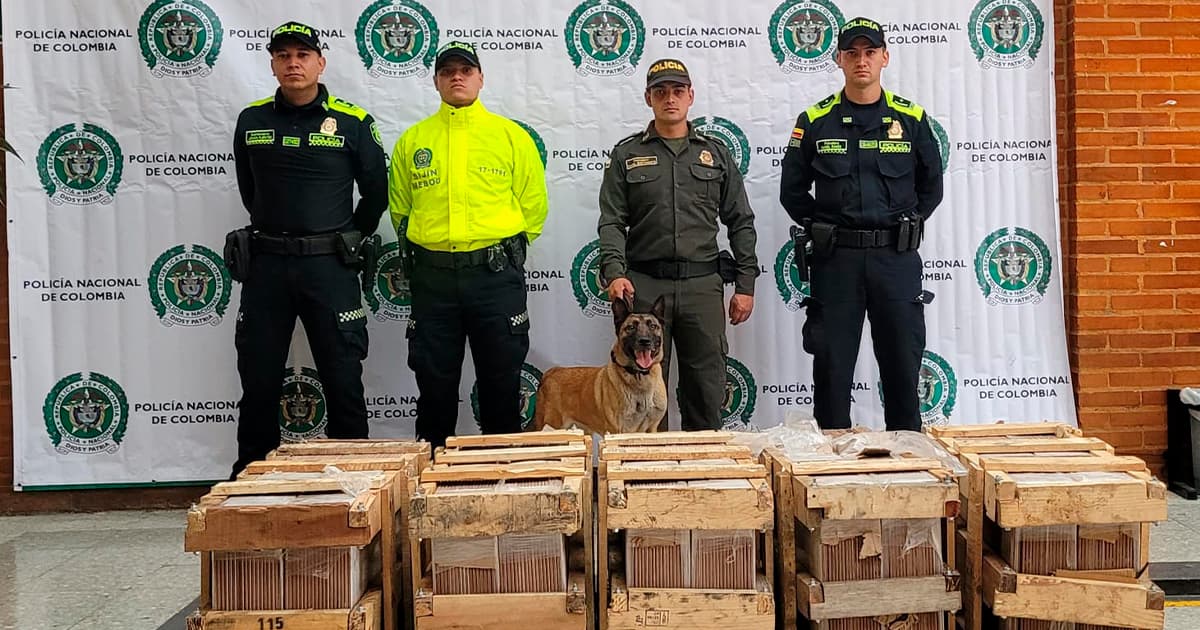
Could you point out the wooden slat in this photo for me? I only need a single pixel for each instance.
(693, 609)
(365, 616)
(863, 466)
(351, 447)
(488, 513)
(936, 499)
(1129, 502)
(669, 437)
(538, 438)
(1099, 602)
(253, 486)
(510, 454)
(505, 611)
(487, 472)
(675, 452)
(685, 472)
(871, 598)
(1004, 429)
(1012, 464)
(691, 508)
(316, 464)
(1031, 445)
(280, 527)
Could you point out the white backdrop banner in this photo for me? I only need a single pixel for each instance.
(122, 315)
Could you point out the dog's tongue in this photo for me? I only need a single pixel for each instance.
(644, 359)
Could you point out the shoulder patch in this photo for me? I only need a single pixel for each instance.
(904, 106)
(823, 107)
(346, 107)
(262, 101)
(627, 139)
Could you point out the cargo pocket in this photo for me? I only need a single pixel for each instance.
(352, 326)
(897, 171)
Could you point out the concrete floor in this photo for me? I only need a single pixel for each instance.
(128, 571)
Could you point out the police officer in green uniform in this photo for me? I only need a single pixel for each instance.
(878, 177)
(665, 189)
(298, 155)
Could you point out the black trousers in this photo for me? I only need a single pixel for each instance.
(453, 306)
(884, 285)
(696, 331)
(324, 293)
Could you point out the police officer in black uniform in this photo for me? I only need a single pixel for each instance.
(298, 155)
(878, 176)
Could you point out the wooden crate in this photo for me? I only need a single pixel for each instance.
(658, 482)
(1025, 478)
(834, 586)
(482, 487)
(378, 515)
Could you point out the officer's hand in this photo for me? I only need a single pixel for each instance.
(740, 307)
(620, 289)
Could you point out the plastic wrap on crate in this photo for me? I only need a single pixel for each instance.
(465, 566)
(532, 563)
(844, 550)
(324, 578)
(896, 444)
(912, 547)
(247, 580)
(798, 437)
(723, 559)
(657, 558)
(884, 480)
(1041, 550)
(1110, 547)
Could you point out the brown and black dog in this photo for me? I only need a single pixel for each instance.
(627, 395)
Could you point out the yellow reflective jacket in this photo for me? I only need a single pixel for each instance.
(466, 178)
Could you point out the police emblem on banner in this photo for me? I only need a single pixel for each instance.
(86, 413)
(740, 396)
(531, 380)
(180, 38)
(1006, 33)
(605, 38)
(189, 286)
(804, 34)
(585, 282)
(389, 296)
(937, 390)
(302, 413)
(730, 135)
(1013, 266)
(397, 38)
(80, 165)
(792, 289)
(943, 141)
(537, 140)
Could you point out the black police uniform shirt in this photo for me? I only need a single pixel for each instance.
(297, 166)
(871, 163)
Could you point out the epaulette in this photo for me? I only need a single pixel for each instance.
(824, 107)
(904, 106)
(345, 107)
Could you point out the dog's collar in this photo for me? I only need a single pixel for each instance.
(634, 370)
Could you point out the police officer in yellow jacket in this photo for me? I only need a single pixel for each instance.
(467, 195)
(862, 174)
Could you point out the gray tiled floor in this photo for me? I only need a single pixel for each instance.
(128, 571)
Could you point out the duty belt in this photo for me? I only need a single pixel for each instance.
(452, 260)
(864, 239)
(674, 269)
(319, 245)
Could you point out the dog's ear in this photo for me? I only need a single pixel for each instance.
(659, 310)
(620, 309)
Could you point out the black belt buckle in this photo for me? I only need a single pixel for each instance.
(496, 258)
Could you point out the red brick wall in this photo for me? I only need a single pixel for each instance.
(1129, 112)
(1129, 168)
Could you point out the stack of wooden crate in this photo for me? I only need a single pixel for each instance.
(865, 544)
(310, 537)
(685, 534)
(502, 534)
(1056, 530)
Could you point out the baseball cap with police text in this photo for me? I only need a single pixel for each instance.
(861, 27)
(296, 32)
